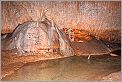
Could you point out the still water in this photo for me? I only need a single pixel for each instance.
(70, 68)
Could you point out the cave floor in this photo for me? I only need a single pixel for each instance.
(35, 67)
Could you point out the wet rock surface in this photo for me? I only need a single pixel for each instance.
(11, 61)
(40, 66)
(30, 38)
(69, 68)
(112, 76)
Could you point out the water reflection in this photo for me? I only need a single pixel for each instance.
(70, 68)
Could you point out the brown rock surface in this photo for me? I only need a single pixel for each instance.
(112, 76)
(97, 17)
(12, 61)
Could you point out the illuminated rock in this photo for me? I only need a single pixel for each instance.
(39, 36)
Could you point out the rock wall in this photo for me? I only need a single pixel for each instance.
(102, 18)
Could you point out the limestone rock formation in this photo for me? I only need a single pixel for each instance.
(39, 36)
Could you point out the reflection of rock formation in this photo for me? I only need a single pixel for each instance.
(40, 36)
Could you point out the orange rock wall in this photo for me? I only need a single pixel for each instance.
(102, 18)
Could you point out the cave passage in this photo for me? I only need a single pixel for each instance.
(61, 40)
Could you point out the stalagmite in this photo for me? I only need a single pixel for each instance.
(39, 36)
(89, 57)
